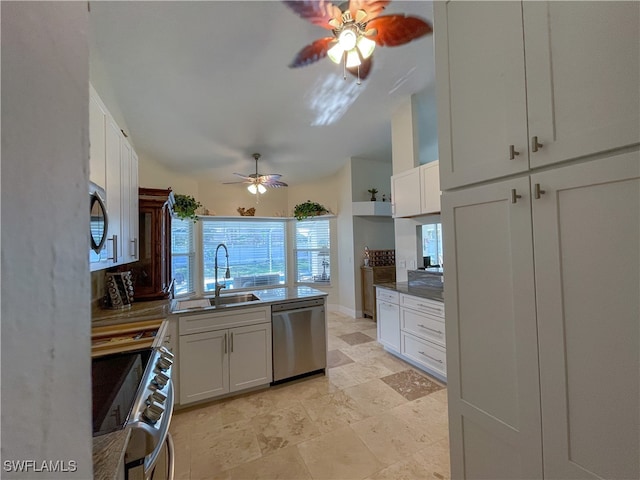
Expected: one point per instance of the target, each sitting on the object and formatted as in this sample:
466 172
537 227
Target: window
257 253
312 251
182 255
432 244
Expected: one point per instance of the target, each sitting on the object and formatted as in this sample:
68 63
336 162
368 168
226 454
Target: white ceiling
200 86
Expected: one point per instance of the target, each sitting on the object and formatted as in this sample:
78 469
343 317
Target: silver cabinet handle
134 242
430 329
428 307
432 358
114 239
225 343
537 191
514 196
535 145
512 152
231 342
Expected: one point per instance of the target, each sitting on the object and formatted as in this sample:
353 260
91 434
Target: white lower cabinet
223 352
413 328
388 318
423 334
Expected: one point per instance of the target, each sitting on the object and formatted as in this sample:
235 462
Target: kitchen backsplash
97 287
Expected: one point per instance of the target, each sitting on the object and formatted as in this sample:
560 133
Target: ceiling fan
258 182
357 28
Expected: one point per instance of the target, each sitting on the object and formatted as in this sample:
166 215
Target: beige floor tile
435 459
389 438
363 350
334 342
356 373
426 416
375 397
212 454
339 454
285 464
282 428
336 358
333 411
392 363
356 338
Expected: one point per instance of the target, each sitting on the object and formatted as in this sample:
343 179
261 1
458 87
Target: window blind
313 251
182 256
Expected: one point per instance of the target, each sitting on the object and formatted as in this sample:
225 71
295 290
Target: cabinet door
430 188
582 78
250 362
125 198
388 319
134 224
405 188
97 139
480 82
587 258
492 351
204 366
114 237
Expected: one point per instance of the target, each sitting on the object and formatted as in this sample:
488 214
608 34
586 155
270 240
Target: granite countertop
266 296
138 311
429 293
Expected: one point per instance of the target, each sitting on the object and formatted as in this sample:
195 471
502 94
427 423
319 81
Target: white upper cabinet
97 130
576 94
416 191
114 167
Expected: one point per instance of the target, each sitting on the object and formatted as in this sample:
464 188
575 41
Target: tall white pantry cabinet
539 135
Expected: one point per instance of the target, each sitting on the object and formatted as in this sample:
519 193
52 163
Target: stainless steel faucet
227 274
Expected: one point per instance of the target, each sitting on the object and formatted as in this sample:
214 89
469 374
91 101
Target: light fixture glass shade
252 188
353 59
347 39
261 188
335 53
366 46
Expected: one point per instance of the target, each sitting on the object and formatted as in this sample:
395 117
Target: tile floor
372 416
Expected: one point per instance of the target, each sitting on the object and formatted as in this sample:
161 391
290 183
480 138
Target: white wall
46 317
404 137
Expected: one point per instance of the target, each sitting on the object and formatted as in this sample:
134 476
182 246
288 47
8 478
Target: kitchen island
410 321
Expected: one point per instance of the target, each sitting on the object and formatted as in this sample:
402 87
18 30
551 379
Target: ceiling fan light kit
354 39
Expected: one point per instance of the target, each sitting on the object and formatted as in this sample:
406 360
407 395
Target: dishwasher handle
299 305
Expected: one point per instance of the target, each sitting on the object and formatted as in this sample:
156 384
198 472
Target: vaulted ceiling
200 86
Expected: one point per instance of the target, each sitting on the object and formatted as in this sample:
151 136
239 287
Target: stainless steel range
133 389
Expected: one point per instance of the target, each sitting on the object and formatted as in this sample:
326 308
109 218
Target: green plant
185 206
309 209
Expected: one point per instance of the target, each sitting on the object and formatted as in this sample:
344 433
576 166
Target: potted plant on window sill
185 207
309 209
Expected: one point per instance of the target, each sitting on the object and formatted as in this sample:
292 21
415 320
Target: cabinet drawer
205 322
425 353
431 307
387 295
427 327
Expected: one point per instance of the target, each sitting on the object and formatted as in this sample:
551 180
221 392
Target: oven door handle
151 459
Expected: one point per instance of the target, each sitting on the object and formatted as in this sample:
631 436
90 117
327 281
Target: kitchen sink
234 298
223 301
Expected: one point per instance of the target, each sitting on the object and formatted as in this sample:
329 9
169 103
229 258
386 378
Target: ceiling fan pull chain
344 66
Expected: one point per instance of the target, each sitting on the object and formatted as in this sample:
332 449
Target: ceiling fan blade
246 177
318 12
395 30
365 68
233 183
372 7
312 53
275 184
269 177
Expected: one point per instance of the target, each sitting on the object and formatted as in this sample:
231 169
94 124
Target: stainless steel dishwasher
299 338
